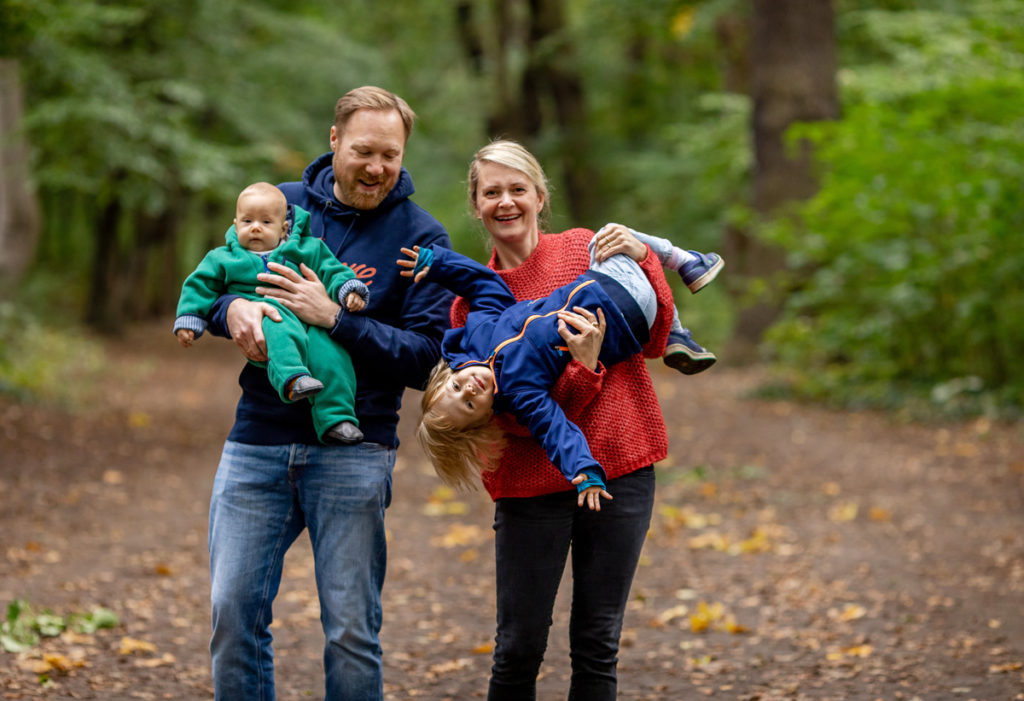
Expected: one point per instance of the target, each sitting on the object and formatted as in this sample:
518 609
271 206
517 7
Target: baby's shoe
685 355
344 432
303 386
698 273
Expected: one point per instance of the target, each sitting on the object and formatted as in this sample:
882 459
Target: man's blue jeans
532 539
263 497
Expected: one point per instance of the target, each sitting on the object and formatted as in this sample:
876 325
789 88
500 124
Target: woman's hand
616 238
585 343
303 294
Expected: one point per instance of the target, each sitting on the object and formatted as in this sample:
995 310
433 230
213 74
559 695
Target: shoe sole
338 439
695 286
679 357
295 396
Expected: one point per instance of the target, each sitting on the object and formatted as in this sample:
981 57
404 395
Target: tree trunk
546 94
792 79
103 312
552 71
19 210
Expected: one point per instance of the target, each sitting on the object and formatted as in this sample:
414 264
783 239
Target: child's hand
354 303
591 495
410 264
185 337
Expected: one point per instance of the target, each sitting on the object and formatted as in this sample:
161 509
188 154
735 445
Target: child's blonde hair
459 455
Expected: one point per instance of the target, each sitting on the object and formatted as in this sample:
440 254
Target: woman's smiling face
507 203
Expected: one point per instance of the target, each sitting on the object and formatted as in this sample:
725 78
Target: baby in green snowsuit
302 361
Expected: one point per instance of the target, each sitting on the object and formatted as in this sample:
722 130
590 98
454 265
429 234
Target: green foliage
908 291
47 364
23 626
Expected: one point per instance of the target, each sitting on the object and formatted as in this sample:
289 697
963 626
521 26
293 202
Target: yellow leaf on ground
113 477
139 419
485 649
61 663
846 511
132 645
705 615
731 626
852 612
460 535
162 661
672 614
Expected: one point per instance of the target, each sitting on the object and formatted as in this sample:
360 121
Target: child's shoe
344 432
698 273
303 386
685 355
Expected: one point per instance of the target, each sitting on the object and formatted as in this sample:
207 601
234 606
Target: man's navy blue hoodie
394 342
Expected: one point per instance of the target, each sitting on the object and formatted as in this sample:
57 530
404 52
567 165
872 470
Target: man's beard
364 200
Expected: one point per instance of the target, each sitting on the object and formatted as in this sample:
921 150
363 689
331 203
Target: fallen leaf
132 645
843 512
877 513
669 615
162 661
852 612
460 535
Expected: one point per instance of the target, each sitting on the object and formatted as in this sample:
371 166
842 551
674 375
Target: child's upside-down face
468 397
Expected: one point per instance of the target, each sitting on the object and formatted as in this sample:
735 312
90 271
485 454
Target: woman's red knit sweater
616 408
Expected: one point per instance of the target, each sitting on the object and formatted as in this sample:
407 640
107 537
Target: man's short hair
370 97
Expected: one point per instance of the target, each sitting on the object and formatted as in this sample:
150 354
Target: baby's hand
354 303
410 264
185 337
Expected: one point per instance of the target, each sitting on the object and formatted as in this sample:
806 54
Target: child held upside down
509 355
303 361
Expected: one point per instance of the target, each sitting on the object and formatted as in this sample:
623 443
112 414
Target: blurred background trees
858 161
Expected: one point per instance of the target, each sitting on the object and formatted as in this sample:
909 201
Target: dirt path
795 553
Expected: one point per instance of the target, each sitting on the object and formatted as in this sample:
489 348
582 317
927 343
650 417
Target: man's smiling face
367 157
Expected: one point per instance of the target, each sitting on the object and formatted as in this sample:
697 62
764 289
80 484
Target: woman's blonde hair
510 154
459 455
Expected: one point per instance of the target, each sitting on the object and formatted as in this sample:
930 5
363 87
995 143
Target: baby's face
260 222
468 398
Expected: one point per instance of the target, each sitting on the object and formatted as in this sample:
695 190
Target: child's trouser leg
671 256
697 269
286 350
628 273
332 365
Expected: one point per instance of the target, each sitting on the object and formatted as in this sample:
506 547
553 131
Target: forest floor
794 553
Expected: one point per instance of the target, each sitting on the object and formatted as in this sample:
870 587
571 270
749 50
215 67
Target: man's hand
245 324
303 294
